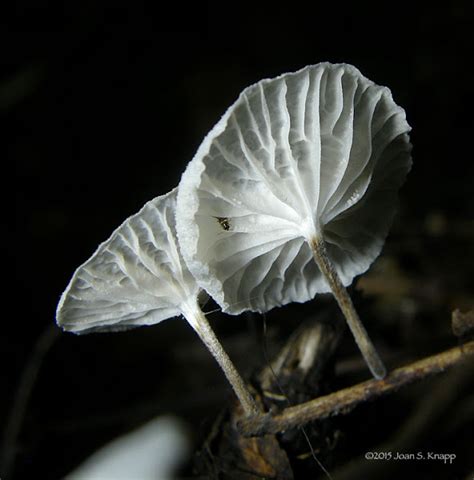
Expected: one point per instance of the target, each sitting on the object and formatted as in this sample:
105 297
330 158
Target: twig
462 323
437 403
343 401
22 397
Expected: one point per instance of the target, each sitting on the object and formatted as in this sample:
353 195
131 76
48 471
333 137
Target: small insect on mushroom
311 163
138 277
223 222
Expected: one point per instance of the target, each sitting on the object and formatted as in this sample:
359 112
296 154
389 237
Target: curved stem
198 321
362 339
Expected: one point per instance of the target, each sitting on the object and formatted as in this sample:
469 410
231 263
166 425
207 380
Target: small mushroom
138 277
305 169
156 450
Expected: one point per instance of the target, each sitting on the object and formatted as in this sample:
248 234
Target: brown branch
428 416
343 401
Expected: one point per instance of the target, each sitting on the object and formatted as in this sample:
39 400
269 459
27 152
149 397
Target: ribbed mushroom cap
319 152
137 277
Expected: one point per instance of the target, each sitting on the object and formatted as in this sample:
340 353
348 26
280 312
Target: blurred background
104 106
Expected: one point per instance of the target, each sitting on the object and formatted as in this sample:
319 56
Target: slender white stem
198 321
361 336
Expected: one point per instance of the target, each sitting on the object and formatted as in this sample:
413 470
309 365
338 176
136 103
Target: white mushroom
293 191
138 277
153 451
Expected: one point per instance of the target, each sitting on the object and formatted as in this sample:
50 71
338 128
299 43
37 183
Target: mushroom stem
361 336
198 321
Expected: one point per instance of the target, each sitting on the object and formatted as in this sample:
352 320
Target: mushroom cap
136 277
153 451
319 152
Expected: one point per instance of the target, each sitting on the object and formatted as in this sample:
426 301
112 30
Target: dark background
104 107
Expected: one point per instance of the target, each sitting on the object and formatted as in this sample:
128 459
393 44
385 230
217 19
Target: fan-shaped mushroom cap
319 152
137 277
